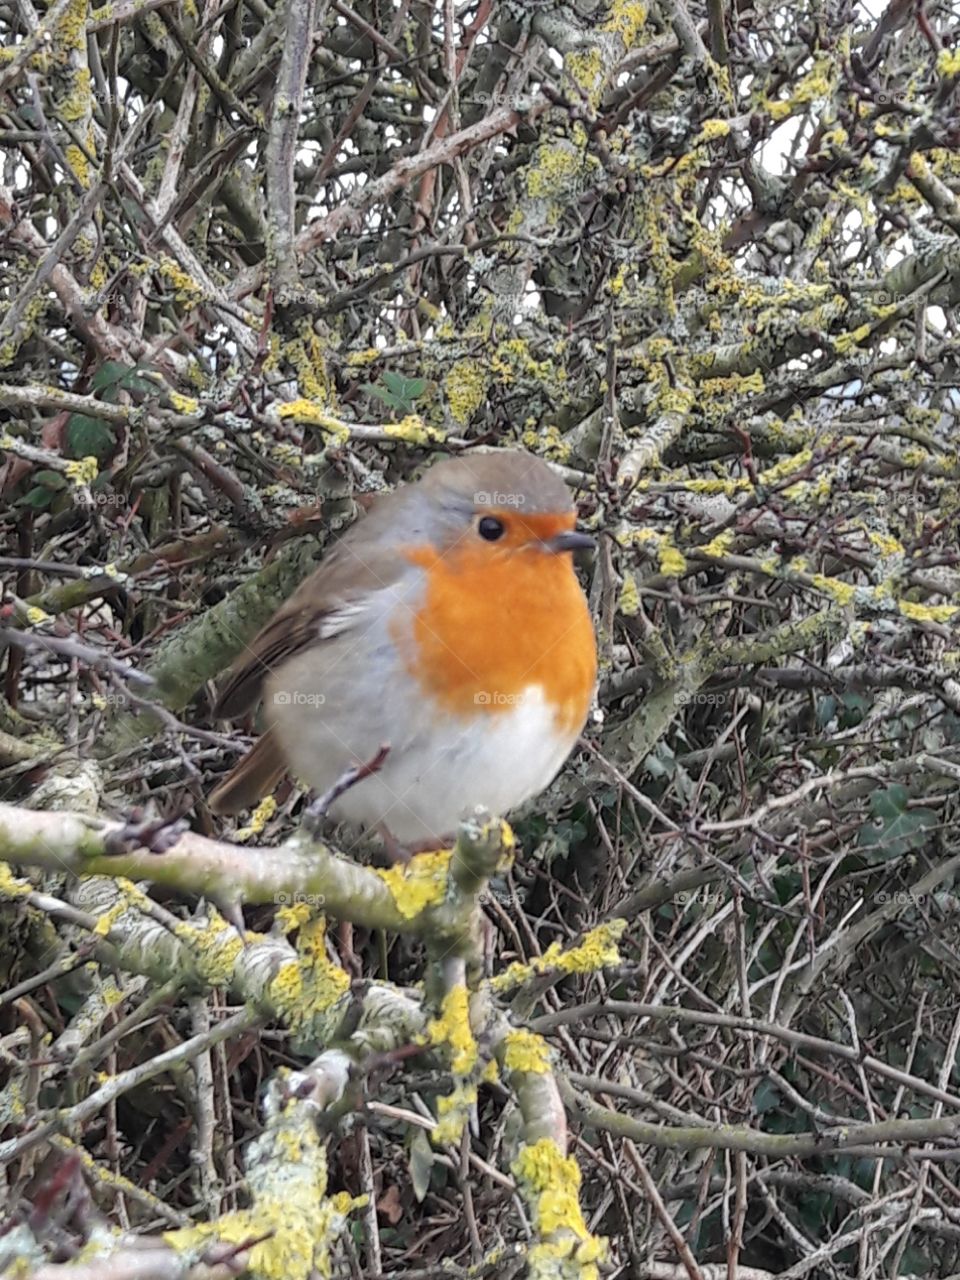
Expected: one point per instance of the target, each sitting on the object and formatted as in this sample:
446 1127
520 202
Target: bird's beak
569 540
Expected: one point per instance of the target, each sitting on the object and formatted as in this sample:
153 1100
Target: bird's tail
255 776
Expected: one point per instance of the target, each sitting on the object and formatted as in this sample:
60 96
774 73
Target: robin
447 629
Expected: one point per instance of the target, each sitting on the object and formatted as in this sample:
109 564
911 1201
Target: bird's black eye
490 528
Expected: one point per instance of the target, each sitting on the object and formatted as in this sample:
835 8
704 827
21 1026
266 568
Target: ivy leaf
38 498
766 1097
895 829
50 480
107 379
113 377
89 436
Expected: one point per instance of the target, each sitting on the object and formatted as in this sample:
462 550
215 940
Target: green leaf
895 829
108 378
397 392
766 1097
112 377
89 437
826 710
890 802
52 480
38 498
387 397
421 1164
404 388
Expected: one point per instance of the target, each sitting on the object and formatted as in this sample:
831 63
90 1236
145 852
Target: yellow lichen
728 487
587 69
10 886
357 359
70 33
550 1182
629 601
109 918
453 1112
306 988
419 883
786 467
290 455
452 1031
466 389
617 280
76 105
186 289
841 591
626 18
844 343
836 137
258 820
526 1051
886 544
817 84
184 404
720 545
288 918
671 560
82 470
292 1220
711 129
310 411
214 945
558 166
414 430
927 612
598 949
307 354
948 62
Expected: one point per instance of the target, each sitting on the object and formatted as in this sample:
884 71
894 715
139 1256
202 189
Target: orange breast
496 621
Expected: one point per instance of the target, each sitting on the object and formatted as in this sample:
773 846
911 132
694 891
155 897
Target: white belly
440 766
425 789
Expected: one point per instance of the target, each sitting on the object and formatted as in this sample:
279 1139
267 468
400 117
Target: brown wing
326 603
333 599
294 626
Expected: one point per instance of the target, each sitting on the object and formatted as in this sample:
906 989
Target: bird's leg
317 810
397 852
348 957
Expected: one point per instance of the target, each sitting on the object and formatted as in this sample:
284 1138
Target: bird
442 657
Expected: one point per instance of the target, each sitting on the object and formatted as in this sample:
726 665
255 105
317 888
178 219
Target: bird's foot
402 853
317 810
